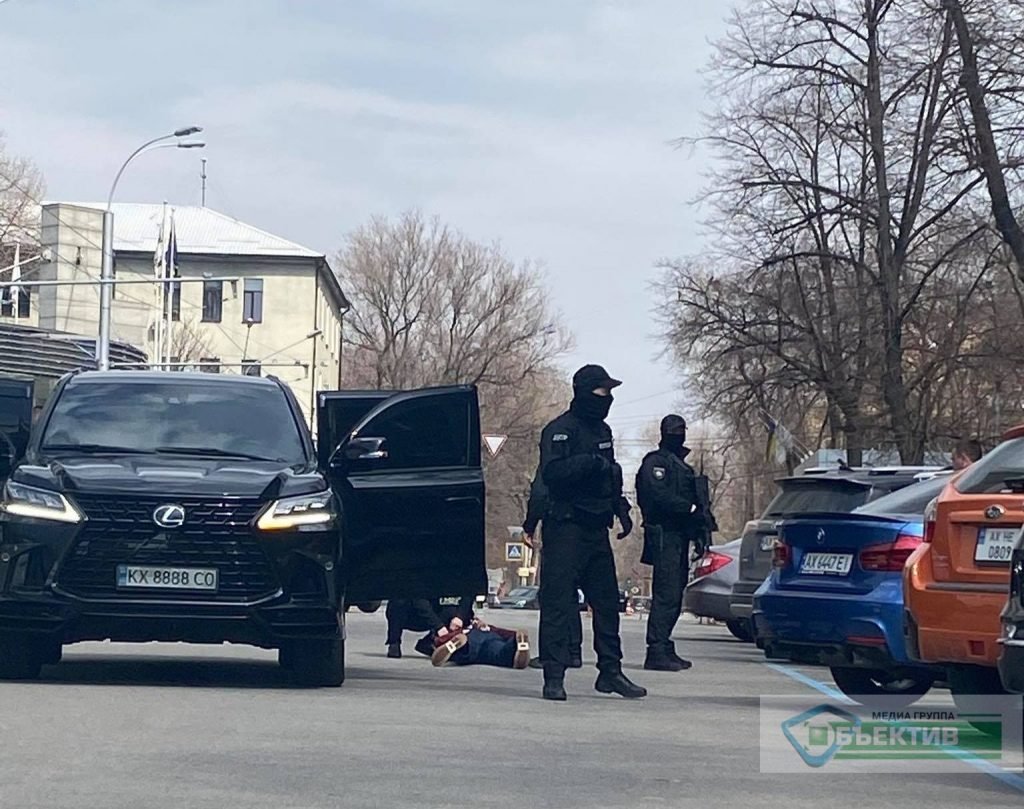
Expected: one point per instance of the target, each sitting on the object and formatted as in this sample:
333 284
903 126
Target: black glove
627 525
701 545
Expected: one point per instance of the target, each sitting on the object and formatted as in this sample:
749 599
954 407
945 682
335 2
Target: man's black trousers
414 615
575 555
671 569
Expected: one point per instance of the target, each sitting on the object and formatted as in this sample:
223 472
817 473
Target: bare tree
21 188
429 307
188 344
989 162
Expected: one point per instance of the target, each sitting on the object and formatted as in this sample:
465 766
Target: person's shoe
619 683
576 662
425 646
554 690
442 654
395 651
445 635
536 663
661 662
681 661
522 658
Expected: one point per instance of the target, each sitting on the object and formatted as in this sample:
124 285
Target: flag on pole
15 293
172 301
159 257
781 442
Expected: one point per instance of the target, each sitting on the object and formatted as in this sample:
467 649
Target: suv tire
20 659
315 663
740 629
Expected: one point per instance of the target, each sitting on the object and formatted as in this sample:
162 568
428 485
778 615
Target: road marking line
1010 779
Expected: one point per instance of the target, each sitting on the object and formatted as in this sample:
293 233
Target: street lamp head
191 144
186 131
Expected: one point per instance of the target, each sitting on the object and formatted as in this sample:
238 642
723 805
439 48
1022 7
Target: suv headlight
297 512
39 504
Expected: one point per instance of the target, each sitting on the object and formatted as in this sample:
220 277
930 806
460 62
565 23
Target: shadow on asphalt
164 672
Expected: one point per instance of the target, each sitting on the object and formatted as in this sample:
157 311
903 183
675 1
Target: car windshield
180 417
799 497
521 592
911 500
990 474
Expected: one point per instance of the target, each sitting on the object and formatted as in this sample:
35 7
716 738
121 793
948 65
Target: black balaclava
673 434
585 402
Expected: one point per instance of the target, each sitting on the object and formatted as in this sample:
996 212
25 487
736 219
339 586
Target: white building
279 310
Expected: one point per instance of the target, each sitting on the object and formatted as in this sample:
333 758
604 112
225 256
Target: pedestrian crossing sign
514 552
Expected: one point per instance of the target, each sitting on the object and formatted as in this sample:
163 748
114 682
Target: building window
14 301
176 302
252 301
213 301
209 365
175 364
251 368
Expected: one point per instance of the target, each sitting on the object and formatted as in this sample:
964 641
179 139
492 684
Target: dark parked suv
194 507
831 491
1011 660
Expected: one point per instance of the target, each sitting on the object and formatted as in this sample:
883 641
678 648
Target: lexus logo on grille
169 516
994 512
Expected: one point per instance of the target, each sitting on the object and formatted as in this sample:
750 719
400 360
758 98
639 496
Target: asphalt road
190 728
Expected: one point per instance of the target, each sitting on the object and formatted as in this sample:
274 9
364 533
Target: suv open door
409 477
15 421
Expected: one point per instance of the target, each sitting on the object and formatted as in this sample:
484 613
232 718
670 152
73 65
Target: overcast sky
545 124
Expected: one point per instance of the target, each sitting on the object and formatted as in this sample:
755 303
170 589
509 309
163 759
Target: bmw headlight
39 504
298 512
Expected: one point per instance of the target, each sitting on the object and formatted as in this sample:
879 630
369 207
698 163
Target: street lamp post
107 267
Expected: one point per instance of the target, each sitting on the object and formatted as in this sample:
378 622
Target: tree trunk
988 154
889 264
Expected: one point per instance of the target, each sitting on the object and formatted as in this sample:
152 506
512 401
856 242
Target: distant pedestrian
966 453
584 483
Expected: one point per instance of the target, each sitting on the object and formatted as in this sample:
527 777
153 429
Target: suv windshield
1005 462
180 417
821 495
911 500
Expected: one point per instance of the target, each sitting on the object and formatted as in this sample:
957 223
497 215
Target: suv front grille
216 534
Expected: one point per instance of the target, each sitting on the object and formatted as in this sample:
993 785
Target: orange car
955 584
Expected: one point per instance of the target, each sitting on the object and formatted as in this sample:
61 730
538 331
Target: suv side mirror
363 449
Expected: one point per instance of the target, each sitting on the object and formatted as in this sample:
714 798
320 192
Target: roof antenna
203 176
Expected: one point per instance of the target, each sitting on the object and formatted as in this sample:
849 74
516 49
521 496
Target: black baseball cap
592 377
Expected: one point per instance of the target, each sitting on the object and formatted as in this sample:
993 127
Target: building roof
199 231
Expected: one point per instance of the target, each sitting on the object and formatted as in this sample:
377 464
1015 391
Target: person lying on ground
480 644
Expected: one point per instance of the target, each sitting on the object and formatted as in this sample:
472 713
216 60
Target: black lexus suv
195 507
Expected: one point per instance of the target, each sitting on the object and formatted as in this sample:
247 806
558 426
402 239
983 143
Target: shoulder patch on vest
659 472
605 445
559 437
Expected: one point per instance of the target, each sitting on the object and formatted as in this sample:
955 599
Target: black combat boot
554 683
618 683
682 662
394 650
662 661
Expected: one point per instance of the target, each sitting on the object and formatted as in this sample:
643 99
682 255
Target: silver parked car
712 577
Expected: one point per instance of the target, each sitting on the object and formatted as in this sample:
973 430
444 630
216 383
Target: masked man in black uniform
669 497
535 509
577 465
